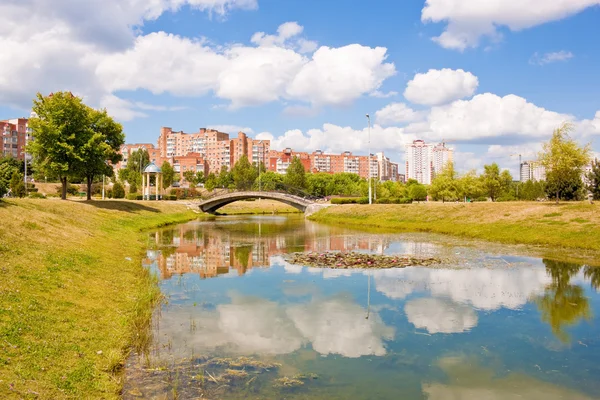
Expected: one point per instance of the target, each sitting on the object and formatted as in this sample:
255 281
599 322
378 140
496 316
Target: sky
491 78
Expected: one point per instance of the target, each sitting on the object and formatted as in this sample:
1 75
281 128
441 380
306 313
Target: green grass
513 223
262 206
74 297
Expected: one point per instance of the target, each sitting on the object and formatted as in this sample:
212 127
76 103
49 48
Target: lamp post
25 156
369 158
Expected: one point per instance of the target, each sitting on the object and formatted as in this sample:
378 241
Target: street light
369 158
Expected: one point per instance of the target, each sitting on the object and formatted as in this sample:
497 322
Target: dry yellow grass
565 226
74 296
262 206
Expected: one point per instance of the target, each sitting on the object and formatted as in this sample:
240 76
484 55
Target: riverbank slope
566 225
74 296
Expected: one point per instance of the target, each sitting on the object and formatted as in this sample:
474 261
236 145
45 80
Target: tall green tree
446 186
60 129
470 186
137 161
564 160
269 181
103 139
190 178
17 186
8 166
168 174
495 183
225 179
244 174
295 176
417 192
211 182
593 180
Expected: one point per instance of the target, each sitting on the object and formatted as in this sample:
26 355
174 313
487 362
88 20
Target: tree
59 131
470 186
244 174
17 186
211 182
200 177
563 159
102 141
445 185
269 181
118 190
8 166
133 188
168 174
295 176
137 161
495 183
417 192
225 179
190 177
593 179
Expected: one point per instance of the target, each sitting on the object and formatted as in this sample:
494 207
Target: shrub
118 191
363 200
132 196
171 197
36 195
109 193
133 188
72 190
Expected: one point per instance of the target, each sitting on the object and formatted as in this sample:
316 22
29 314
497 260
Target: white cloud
91 49
232 129
469 20
549 58
335 138
488 115
439 316
486 289
338 326
250 325
382 95
337 76
396 113
441 86
286 32
121 109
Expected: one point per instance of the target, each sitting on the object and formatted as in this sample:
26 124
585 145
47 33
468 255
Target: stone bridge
212 204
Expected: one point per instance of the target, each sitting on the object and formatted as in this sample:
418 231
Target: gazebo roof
152 168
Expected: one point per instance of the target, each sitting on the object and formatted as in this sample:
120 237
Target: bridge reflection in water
236 246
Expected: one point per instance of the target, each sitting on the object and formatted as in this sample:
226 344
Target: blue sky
493 78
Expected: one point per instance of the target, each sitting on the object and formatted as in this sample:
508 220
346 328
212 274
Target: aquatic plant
357 260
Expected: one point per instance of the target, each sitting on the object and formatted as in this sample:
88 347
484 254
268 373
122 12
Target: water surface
487 323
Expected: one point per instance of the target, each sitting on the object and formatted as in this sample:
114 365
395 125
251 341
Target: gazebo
151 169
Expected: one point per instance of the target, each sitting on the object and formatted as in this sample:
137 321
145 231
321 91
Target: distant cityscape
209 150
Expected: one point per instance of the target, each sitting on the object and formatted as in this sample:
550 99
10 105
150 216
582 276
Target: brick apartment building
319 161
14 133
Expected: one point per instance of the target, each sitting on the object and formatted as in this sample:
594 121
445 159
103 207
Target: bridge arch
212 204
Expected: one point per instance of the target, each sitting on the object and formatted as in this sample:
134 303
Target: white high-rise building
532 171
442 155
419 165
424 160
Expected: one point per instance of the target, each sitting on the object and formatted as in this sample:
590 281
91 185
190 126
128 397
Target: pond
240 322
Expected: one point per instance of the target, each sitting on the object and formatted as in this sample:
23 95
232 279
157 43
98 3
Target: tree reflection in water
593 274
563 303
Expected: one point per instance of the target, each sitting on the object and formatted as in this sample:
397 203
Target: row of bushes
365 200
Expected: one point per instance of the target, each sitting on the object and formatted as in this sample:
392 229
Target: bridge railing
284 190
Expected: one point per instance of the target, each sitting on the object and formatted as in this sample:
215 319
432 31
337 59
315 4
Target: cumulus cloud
437 87
338 326
94 49
485 289
440 316
249 325
468 21
335 138
549 58
232 129
488 115
396 113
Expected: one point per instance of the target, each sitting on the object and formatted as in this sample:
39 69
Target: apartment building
15 135
424 160
279 161
532 171
127 149
387 170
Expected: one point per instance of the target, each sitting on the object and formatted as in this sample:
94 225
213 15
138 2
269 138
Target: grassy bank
262 206
567 225
74 297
